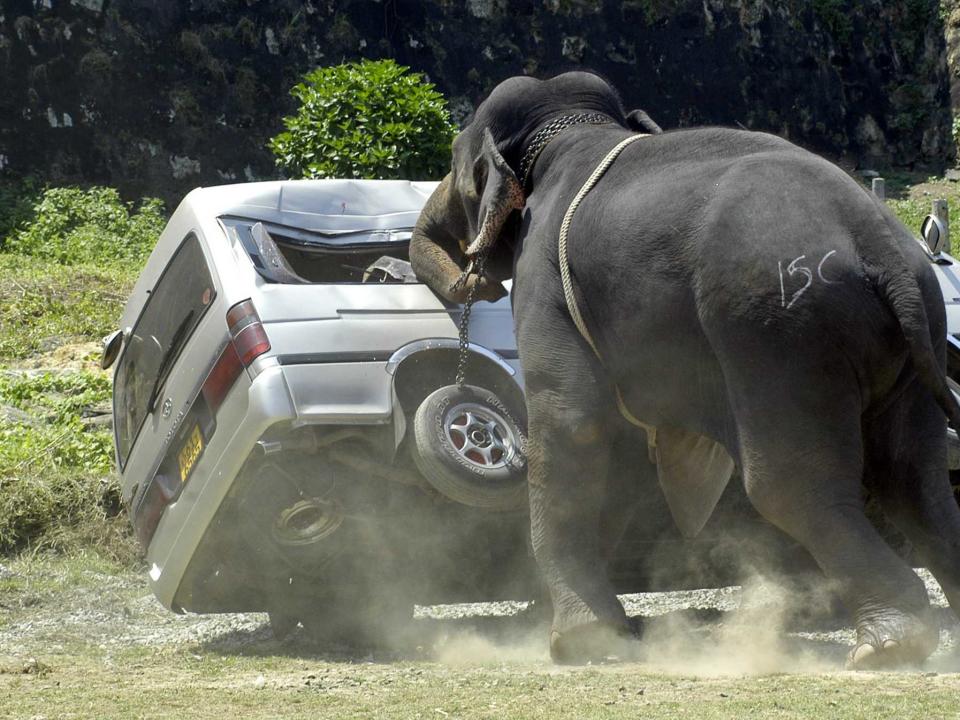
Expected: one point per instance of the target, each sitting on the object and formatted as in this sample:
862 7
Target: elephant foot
894 641
595 642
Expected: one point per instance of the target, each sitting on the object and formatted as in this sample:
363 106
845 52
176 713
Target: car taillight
246 330
162 491
248 341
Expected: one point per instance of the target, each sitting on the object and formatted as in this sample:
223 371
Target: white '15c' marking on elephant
794 268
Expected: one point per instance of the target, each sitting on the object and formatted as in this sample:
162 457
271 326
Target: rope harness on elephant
567 280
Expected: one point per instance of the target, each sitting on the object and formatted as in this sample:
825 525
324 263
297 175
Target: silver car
287 428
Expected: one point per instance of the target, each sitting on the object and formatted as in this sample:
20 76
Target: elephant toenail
861 653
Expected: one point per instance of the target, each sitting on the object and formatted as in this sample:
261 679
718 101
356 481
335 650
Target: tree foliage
371 119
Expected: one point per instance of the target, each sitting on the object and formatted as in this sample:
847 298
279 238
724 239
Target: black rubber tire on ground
470 447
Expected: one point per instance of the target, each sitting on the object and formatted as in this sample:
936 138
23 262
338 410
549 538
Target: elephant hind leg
804 474
907 470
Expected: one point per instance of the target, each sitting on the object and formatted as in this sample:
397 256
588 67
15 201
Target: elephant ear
639 121
501 195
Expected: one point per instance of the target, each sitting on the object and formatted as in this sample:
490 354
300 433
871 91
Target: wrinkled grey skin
739 287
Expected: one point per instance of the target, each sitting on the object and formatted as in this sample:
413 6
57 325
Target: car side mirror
933 233
112 344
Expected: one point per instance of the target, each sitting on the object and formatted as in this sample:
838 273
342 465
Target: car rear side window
179 300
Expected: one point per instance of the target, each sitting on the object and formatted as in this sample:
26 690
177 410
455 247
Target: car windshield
176 304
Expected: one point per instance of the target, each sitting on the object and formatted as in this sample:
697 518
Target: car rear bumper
357 393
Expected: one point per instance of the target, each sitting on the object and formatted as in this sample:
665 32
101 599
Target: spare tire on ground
470 447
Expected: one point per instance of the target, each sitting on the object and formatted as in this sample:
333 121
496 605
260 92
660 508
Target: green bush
71 225
17 199
371 119
955 135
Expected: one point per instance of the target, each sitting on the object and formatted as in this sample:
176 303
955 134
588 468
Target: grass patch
135 684
69 263
80 637
44 304
57 487
34 579
910 196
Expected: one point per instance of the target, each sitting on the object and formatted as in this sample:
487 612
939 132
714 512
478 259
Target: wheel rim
480 436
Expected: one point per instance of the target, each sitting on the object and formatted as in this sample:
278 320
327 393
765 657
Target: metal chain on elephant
475 267
550 131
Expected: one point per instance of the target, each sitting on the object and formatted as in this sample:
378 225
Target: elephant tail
898 286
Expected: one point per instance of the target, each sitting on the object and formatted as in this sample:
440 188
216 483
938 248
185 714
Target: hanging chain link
476 267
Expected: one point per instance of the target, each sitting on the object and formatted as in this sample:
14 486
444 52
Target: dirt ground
79 638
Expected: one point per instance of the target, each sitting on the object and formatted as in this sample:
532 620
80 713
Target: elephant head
473 209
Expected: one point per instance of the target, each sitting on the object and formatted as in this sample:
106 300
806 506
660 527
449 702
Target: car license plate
190 453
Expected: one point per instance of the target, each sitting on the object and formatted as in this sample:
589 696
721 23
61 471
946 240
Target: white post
879 188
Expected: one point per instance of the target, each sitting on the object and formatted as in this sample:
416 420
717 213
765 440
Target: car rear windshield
293 255
176 305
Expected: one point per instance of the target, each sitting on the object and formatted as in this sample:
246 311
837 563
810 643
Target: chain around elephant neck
548 132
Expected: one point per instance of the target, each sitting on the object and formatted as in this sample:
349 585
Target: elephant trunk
435 251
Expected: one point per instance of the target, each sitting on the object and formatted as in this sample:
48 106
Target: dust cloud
471 647
767 625
755 639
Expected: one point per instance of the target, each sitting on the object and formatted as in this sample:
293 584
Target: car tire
470 447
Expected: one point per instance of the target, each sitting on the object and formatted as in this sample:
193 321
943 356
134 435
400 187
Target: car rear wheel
469 447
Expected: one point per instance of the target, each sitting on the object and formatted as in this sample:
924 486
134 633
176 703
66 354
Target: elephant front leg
568 455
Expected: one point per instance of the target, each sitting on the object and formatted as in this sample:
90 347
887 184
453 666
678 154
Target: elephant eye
479 174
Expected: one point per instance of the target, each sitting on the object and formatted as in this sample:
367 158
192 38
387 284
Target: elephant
746 303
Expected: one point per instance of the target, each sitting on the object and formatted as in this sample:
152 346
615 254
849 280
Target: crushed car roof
330 207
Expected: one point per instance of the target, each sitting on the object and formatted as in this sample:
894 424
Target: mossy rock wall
157 97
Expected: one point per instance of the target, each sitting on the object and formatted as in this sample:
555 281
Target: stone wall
159 96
